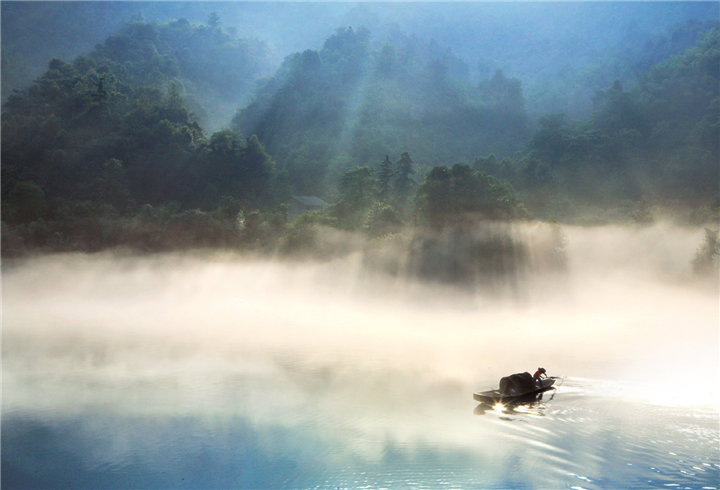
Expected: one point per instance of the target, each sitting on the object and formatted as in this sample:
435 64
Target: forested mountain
658 138
563 52
572 90
110 135
353 101
394 130
128 99
214 67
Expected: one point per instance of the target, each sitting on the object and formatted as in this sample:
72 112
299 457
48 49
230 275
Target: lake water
190 371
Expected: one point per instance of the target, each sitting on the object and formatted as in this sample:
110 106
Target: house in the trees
303 204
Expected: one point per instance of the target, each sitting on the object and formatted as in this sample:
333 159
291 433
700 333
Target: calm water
313 429
195 373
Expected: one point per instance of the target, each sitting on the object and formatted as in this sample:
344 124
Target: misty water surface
221 371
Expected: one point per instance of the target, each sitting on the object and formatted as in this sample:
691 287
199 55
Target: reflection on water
173 372
223 430
534 404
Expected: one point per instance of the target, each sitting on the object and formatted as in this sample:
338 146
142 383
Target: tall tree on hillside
240 169
504 101
503 93
706 258
385 174
112 186
26 202
258 172
452 195
358 188
434 197
403 185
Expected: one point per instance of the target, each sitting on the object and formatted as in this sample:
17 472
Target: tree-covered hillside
110 138
652 143
353 101
214 67
655 143
112 149
563 52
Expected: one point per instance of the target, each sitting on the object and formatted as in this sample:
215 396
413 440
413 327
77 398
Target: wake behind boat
514 388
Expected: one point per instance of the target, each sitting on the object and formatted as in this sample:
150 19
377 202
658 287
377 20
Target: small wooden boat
493 397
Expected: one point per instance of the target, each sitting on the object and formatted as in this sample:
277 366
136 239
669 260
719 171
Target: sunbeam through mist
612 319
288 345
291 245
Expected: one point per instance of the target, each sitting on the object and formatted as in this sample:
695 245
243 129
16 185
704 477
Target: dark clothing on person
537 375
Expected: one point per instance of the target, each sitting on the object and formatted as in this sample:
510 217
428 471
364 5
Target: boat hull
493 397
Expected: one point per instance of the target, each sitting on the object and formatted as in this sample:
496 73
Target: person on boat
538 375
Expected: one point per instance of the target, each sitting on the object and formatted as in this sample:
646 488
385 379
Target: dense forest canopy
180 131
352 100
563 52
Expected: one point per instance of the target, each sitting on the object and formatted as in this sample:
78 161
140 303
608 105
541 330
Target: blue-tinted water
141 374
244 433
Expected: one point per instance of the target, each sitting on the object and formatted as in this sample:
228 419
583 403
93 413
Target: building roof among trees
310 201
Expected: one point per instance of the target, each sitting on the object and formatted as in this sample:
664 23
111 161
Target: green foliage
385 174
26 202
211 64
125 105
382 220
361 100
403 185
375 201
707 256
229 207
643 212
657 141
504 99
435 199
304 236
703 215
87 227
358 189
108 150
457 194
105 150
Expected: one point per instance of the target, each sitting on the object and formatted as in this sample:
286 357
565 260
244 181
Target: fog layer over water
215 370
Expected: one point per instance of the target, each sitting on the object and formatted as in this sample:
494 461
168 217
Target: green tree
258 171
27 201
434 197
643 212
503 97
403 184
113 187
706 258
550 140
488 164
382 220
358 188
452 195
385 174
